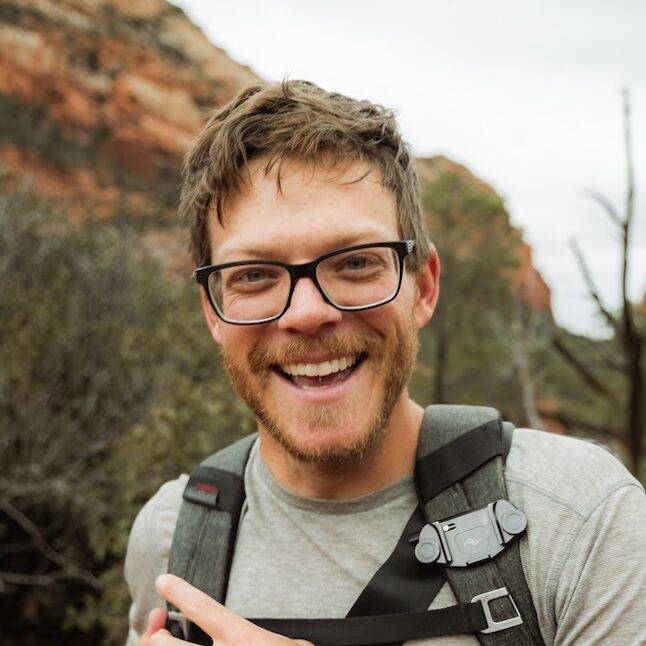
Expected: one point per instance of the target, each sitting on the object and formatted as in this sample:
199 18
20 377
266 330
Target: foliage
197 415
463 355
101 399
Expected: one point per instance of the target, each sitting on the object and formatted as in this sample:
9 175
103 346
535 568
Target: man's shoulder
163 506
570 472
168 496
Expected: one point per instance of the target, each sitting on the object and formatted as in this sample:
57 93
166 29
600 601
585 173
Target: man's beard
250 379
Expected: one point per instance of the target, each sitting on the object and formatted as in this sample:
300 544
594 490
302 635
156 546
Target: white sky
526 94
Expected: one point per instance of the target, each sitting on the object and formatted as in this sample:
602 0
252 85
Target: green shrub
109 385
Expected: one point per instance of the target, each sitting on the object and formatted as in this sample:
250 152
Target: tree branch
18 578
630 171
602 351
605 203
592 288
70 569
630 201
583 371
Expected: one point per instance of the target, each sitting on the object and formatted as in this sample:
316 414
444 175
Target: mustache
262 358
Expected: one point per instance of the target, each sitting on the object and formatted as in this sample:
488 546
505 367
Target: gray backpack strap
441 425
204 538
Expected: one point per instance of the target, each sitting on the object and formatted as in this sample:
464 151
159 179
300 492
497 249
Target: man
318 274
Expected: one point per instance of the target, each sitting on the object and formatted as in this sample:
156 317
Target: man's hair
295 120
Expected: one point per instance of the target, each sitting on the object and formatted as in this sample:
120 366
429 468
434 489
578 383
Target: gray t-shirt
583 557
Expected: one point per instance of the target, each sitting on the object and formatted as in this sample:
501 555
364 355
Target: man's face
341 416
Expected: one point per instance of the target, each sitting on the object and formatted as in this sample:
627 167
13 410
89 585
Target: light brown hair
295 120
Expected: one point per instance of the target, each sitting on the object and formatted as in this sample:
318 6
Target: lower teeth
320 381
302 381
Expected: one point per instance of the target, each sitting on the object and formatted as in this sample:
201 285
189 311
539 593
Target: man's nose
307 310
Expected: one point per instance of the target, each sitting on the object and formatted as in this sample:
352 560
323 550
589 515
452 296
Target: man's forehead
286 178
336 205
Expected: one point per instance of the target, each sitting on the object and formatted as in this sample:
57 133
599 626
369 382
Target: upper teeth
319 369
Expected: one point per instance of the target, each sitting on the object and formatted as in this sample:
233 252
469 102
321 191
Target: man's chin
324 444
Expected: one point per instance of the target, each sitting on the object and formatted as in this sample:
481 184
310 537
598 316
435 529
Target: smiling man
316 276
326 376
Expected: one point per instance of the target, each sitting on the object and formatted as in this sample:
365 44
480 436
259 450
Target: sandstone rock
106 93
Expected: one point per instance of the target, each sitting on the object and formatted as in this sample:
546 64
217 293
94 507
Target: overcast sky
526 94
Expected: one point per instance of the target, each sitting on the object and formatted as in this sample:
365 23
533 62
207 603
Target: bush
109 384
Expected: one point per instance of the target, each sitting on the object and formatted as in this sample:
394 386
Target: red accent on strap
206 488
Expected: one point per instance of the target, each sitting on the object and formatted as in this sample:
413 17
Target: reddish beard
394 361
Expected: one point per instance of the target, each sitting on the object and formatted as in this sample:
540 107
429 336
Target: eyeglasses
248 292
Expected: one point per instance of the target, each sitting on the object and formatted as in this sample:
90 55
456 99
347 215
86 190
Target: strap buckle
494 626
178 624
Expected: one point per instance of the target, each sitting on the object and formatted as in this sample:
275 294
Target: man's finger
164 638
156 621
212 617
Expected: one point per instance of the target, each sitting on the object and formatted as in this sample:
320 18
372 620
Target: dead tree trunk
629 337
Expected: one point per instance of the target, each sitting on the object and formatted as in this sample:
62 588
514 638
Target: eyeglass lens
352 279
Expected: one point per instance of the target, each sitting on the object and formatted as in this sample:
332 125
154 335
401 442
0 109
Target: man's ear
428 289
212 320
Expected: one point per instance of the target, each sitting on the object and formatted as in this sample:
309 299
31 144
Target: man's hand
223 626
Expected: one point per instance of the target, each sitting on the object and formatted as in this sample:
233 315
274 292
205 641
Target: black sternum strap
378 630
373 630
382 629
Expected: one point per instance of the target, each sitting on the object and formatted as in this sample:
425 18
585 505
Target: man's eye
356 263
253 275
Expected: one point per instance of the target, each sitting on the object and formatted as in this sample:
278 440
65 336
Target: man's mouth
320 375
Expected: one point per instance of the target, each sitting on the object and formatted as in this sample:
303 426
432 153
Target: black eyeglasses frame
305 270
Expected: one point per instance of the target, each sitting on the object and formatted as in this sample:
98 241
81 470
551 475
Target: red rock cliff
99 99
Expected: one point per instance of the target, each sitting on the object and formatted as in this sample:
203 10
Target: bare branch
632 338
18 578
602 351
605 203
630 201
583 371
592 288
72 571
630 171
522 363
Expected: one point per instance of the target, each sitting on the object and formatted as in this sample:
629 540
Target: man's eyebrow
269 253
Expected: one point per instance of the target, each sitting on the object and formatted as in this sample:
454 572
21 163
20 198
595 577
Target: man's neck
391 460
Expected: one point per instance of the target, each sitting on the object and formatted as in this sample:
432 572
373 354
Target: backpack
461 489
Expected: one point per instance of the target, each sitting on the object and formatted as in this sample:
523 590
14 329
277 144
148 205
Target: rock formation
100 98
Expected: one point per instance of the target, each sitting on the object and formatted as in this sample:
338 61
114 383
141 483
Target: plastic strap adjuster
202 492
494 626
